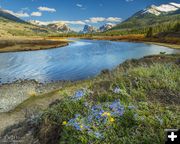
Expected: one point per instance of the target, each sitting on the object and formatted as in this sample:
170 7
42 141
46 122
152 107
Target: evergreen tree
177 27
150 32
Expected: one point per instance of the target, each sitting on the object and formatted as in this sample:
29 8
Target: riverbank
13 94
20 97
15 44
147 89
167 42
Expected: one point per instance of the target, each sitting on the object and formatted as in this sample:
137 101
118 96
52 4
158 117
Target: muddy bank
13 45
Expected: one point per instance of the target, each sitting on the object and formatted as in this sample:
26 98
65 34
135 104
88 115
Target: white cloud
46 9
102 19
96 19
37 14
18 14
79 5
83 22
78 22
114 19
74 22
22 14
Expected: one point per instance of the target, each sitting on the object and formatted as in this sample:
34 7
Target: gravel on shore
11 95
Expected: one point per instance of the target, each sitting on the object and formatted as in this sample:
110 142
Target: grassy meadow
10 28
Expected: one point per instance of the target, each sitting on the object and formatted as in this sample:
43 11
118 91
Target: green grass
149 94
11 28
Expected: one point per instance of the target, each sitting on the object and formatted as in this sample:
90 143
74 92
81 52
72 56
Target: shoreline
31 88
14 93
135 39
44 94
172 46
20 44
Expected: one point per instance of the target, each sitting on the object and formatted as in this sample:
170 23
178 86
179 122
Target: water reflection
79 60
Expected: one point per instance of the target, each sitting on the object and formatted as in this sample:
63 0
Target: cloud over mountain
41 8
102 19
18 14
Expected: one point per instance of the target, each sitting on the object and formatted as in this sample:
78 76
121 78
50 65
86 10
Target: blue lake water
79 60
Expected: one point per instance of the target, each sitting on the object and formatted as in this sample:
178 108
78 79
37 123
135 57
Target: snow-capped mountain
151 15
59 27
39 23
164 8
89 29
106 27
56 26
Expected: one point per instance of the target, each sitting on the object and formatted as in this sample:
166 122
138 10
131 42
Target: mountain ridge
5 14
144 18
11 25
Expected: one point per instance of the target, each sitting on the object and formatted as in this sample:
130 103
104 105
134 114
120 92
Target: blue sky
78 12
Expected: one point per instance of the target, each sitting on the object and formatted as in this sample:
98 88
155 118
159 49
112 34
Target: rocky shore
15 93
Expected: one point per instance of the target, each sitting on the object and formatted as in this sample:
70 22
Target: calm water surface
79 60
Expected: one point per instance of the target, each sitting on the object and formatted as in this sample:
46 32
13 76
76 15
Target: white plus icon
172 136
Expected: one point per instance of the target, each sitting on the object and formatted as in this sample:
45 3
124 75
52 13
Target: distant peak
163 8
175 4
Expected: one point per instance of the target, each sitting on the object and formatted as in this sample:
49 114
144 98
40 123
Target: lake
79 60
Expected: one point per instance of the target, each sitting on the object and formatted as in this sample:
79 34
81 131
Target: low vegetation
134 103
30 43
10 28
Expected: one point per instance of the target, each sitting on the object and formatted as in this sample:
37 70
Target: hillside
153 15
7 15
159 24
11 25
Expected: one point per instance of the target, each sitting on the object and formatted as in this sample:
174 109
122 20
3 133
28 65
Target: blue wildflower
117 90
97 117
115 104
78 95
117 108
77 115
90 118
98 135
96 107
77 126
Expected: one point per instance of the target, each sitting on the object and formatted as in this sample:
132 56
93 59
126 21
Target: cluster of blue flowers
79 94
97 118
117 108
80 124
